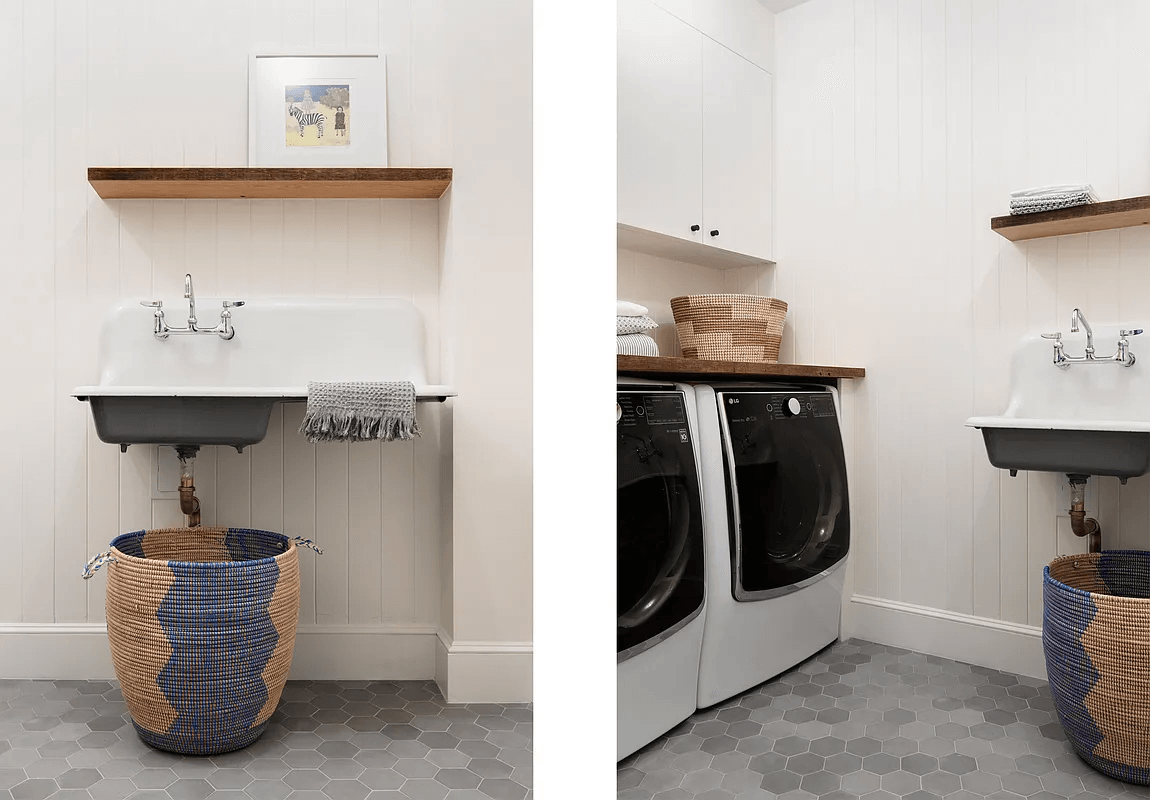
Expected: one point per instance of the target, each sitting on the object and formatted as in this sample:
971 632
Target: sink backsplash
278 342
1105 391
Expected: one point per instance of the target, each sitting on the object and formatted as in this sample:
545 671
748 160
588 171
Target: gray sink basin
1119 453
235 421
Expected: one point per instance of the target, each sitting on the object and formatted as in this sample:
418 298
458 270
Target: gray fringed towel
360 412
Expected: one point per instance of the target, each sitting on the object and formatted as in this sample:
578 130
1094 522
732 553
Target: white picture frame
363 74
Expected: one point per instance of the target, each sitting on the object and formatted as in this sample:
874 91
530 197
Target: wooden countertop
693 368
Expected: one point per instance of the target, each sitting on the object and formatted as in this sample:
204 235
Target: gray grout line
865 720
346 740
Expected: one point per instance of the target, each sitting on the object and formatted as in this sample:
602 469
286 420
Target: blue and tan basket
201 623
1096 636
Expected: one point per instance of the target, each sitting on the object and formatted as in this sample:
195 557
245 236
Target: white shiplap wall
133 82
902 125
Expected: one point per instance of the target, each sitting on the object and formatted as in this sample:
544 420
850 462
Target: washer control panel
650 408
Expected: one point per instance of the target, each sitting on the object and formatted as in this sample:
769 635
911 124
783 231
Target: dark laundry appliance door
659 583
787 485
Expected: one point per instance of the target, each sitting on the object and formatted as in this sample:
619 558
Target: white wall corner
1007 646
484 672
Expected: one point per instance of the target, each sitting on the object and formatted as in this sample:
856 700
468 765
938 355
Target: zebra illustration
315 118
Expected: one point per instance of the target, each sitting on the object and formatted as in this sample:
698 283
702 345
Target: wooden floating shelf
692 368
223 183
1106 216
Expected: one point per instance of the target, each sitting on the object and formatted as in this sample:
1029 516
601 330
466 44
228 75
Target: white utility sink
1087 419
203 390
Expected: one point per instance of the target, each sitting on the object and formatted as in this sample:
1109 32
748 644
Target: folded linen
624 308
625 325
1049 204
636 344
1023 201
360 411
1061 188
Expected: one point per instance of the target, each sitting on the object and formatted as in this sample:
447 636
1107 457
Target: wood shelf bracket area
697 369
230 183
1091 217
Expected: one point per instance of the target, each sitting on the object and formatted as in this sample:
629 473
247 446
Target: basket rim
1065 587
120 554
771 298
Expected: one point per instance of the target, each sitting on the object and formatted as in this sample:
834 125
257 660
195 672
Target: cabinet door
737 153
660 121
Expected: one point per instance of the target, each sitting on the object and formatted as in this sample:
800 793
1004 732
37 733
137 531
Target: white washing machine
777 527
660 582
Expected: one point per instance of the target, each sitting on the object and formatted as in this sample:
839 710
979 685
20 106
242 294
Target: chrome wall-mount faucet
1077 320
161 330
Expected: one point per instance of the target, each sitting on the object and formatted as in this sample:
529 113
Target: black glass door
793 520
659 585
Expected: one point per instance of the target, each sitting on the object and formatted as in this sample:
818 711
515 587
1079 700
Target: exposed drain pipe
189 503
1079 522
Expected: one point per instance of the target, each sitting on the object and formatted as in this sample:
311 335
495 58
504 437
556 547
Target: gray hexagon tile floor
349 740
864 720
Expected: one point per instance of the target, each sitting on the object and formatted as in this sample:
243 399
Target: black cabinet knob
694 228
715 232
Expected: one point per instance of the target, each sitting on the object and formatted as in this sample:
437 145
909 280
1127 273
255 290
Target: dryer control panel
779 406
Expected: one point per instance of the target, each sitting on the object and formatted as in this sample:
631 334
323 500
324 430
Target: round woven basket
729 327
202 624
1096 637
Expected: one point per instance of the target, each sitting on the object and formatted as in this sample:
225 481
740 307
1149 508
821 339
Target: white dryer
660 587
777 527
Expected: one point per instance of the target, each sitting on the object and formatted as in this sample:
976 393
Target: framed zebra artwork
317 109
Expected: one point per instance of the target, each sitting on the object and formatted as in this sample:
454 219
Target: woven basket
1096 636
201 623
729 327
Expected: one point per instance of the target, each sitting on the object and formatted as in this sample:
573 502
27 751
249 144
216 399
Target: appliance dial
793 407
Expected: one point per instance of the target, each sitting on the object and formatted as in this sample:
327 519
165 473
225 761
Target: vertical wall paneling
988 383
398 554
299 502
69 275
331 506
207 489
365 534
112 83
33 287
956 482
233 476
884 336
913 130
267 476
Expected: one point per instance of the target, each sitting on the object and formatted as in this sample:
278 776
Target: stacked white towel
1048 198
631 326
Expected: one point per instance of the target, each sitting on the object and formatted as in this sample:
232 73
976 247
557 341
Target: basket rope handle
308 543
98 560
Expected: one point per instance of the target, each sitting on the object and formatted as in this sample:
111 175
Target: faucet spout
190 295
1076 317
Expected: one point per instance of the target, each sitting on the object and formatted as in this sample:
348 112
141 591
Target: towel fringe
331 425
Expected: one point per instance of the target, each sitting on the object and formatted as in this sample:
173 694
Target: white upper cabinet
695 140
660 131
737 185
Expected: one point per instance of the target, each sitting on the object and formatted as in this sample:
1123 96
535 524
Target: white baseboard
975 640
329 652
483 672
